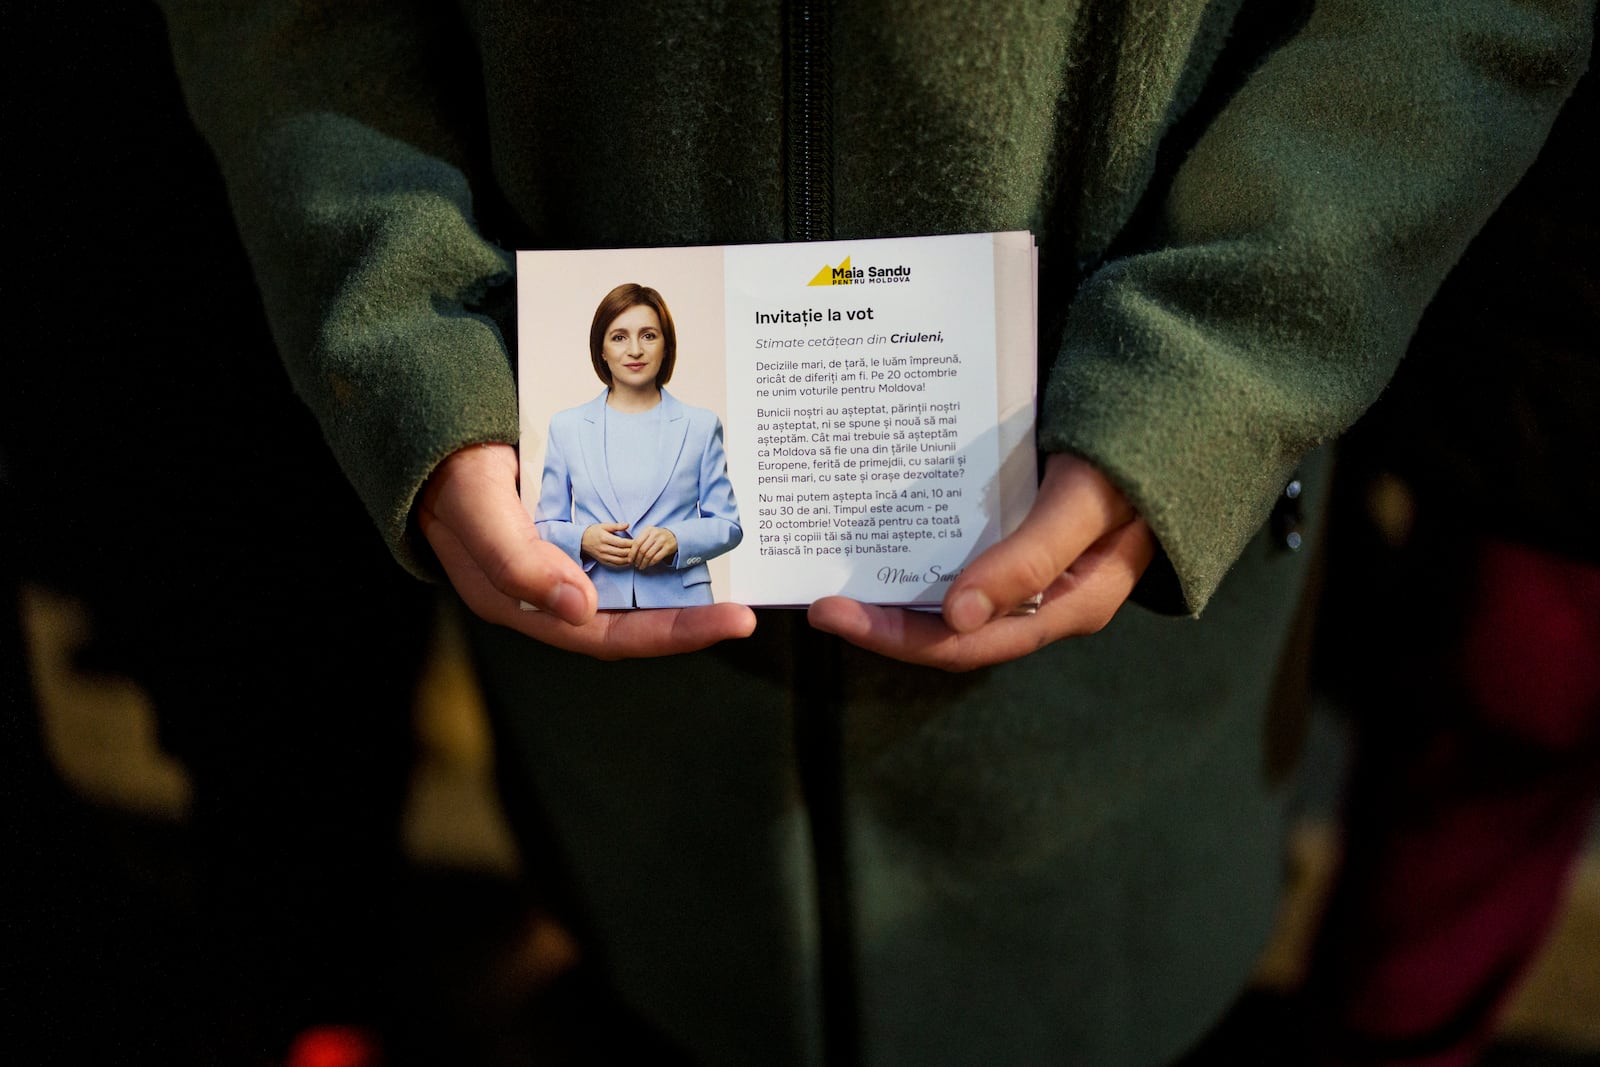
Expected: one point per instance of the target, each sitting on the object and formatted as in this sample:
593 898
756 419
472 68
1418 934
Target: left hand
1082 544
492 553
652 544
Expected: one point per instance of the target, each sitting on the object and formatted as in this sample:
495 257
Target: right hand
1082 544
601 544
492 553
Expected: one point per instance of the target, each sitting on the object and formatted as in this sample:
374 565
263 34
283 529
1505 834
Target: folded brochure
847 417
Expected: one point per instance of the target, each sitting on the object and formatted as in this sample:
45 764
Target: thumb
1076 506
473 495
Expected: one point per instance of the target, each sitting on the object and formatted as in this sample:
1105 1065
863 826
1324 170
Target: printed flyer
771 424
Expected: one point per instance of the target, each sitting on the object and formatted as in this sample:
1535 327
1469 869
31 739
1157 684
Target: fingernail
566 602
969 610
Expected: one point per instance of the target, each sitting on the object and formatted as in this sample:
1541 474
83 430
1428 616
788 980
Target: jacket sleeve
1300 241
553 513
348 175
716 529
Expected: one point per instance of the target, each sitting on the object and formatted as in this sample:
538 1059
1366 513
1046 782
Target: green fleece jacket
1257 318
1071 858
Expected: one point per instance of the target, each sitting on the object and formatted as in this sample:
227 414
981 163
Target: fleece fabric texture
1242 208
1298 243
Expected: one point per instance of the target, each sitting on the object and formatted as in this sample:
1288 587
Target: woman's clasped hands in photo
610 544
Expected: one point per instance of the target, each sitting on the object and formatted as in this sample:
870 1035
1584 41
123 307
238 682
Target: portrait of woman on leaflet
635 483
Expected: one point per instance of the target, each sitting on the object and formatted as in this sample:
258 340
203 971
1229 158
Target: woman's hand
490 549
601 544
1081 544
652 545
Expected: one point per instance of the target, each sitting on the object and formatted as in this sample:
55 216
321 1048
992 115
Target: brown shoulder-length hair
618 300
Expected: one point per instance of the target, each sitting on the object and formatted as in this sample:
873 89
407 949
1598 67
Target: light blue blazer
695 501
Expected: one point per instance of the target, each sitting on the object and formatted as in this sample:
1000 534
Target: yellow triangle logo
839 275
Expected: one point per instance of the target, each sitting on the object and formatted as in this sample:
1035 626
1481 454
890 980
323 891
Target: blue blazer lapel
674 428
593 451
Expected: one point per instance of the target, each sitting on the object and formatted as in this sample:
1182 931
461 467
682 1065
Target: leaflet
771 424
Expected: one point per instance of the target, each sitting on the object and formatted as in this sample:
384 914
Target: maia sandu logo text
845 274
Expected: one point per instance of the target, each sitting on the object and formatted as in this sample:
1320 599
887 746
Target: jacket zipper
808 121
818 712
